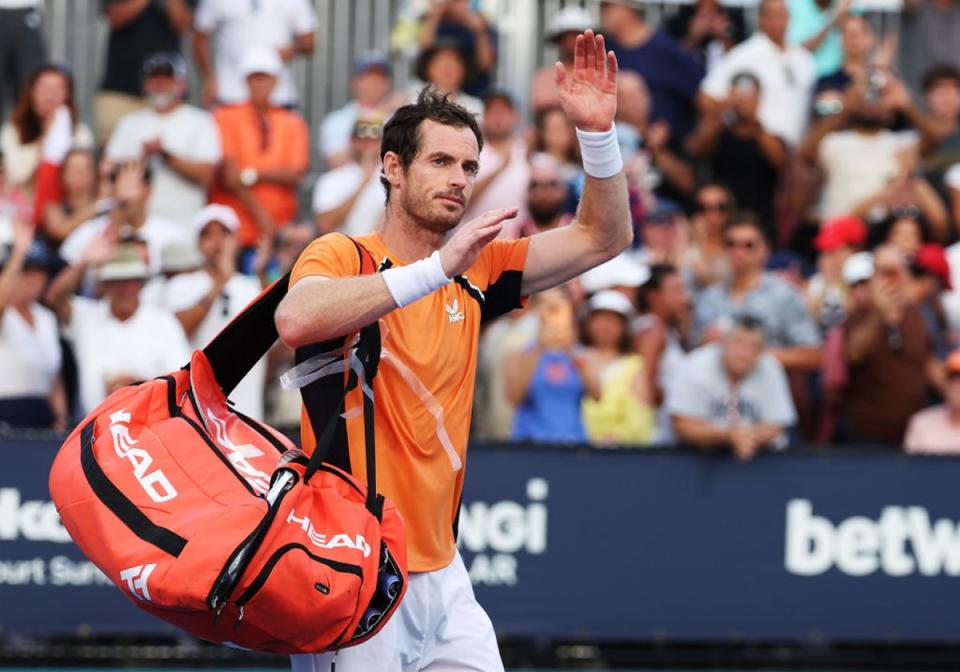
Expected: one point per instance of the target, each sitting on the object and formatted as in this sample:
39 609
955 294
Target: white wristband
600 151
414 281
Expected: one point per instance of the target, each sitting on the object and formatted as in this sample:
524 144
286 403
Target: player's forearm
321 309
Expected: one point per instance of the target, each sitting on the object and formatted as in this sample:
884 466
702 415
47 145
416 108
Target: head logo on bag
154 483
336 541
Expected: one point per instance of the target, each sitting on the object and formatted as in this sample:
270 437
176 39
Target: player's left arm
602 228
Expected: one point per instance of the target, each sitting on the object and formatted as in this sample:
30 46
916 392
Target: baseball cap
841 232
952 364
933 259
165 63
372 60
125 264
569 20
216 212
857 268
610 300
265 61
621 271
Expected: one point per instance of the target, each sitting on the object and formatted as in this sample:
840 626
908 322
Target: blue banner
615 545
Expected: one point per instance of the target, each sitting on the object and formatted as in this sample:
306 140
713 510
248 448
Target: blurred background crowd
794 173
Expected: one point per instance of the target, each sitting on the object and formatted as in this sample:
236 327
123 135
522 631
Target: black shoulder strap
247 338
363 364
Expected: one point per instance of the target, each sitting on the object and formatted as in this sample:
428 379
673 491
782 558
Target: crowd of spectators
794 179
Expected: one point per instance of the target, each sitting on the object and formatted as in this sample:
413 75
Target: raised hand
588 94
22 235
464 247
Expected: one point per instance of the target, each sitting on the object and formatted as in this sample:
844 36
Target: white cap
621 271
266 61
569 19
215 212
611 300
858 267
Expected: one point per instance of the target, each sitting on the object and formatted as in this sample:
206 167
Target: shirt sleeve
777 404
717 82
176 349
685 397
207 135
332 189
185 291
205 19
303 18
502 262
333 255
800 329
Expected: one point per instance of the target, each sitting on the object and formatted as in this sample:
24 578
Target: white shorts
439 626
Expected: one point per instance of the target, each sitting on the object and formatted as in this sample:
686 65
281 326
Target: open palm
588 94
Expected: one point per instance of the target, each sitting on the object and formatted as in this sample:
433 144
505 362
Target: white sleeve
207 147
19 161
185 291
717 82
303 18
827 150
335 132
73 246
176 349
952 176
684 395
777 407
122 144
205 19
332 189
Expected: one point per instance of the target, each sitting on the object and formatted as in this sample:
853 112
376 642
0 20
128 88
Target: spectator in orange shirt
265 154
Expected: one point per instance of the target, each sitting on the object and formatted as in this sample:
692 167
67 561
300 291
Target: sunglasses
545 184
712 207
901 211
733 243
368 131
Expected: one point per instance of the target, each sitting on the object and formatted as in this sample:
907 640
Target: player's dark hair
401 134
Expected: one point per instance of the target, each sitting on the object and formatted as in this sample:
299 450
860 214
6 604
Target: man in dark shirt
741 152
671 73
888 351
138 28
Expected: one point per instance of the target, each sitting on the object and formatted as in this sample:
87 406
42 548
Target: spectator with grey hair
732 394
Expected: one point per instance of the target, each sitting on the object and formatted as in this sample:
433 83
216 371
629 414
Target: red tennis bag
216 523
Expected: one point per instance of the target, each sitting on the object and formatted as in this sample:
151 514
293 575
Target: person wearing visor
30 391
265 154
180 141
349 199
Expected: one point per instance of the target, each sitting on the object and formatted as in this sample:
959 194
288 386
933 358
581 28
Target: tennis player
431 297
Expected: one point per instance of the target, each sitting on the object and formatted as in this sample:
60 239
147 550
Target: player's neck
406 238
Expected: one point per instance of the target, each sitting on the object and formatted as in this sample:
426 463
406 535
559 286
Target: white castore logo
136 578
154 483
454 314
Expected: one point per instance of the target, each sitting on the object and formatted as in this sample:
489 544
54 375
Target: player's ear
392 168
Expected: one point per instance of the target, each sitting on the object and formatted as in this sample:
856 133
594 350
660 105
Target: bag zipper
263 575
238 561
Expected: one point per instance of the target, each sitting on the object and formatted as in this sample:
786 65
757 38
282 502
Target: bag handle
247 337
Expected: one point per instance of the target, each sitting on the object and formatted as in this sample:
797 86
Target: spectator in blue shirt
671 73
548 380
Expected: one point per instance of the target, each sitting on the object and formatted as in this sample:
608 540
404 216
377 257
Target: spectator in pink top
937 429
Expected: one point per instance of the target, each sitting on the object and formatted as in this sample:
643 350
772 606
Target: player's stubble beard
422 207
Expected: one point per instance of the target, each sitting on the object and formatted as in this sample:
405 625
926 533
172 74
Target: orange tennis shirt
424 388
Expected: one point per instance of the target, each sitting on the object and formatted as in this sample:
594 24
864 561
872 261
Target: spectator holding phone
548 380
